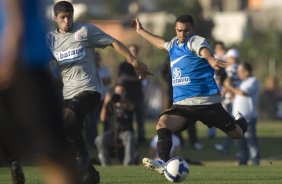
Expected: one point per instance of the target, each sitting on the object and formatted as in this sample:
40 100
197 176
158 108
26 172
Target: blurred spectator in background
245 101
220 75
232 57
219 50
120 138
134 92
92 119
269 98
175 149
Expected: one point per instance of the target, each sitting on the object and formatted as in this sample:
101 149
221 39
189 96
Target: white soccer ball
176 170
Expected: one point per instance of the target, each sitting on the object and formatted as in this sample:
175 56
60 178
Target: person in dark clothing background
134 92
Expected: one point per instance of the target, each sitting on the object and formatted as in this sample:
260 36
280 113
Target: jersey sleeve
98 38
168 45
249 86
196 43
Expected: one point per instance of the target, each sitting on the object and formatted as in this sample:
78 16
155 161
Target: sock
164 143
242 124
76 142
82 155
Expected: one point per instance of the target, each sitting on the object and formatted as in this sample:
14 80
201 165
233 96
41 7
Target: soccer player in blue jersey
195 93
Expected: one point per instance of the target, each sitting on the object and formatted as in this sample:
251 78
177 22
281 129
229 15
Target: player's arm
155 40
215 63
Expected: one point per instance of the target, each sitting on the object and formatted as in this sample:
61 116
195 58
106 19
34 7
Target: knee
68 116
162 123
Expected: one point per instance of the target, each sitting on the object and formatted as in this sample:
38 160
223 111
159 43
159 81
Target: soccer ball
176 170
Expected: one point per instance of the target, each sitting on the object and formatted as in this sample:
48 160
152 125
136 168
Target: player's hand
136 24
217 64
141 69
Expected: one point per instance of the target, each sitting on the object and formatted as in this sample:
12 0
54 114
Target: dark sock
242 124
82 155
164 143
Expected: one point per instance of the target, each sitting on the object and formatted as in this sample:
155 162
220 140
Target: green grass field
217 169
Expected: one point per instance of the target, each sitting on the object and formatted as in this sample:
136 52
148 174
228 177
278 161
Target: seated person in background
119 112
174 152
175 149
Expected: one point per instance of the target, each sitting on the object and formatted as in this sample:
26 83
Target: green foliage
260 47
191 7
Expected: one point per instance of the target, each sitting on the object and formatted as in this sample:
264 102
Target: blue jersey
192 76
1 17
33 49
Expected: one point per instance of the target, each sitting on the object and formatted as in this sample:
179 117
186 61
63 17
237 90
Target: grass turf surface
270 174
217 169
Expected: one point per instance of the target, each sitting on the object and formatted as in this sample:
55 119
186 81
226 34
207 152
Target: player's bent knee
162 123
69 116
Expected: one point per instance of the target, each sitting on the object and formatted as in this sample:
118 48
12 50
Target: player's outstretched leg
154 165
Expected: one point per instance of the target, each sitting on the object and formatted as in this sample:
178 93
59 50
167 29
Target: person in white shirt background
246 100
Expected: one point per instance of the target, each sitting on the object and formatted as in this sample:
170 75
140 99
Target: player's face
242 73
183 30
64 21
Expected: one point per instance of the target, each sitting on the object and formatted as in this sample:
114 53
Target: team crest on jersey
78 35
177 80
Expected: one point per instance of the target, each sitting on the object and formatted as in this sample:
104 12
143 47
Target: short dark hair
218 43
247 67
185 19
62 6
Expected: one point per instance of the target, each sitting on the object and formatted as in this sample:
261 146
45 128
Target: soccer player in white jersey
195 93
72 45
